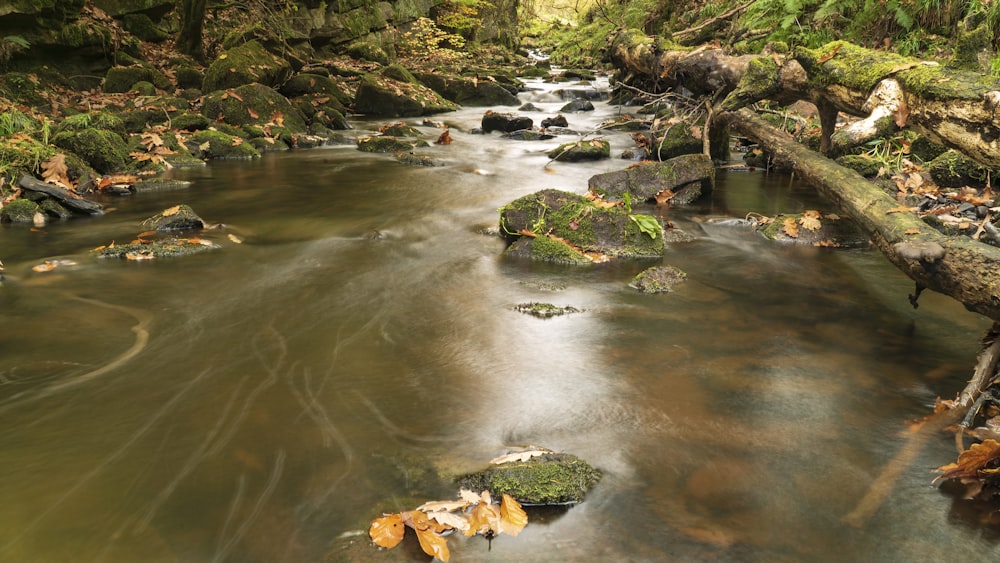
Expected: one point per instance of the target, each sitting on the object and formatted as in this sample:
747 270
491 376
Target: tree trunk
968 271
192 21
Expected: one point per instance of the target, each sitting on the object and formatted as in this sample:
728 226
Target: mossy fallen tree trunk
956 108
959 267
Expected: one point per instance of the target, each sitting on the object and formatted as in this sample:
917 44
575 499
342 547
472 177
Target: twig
986 366
712 21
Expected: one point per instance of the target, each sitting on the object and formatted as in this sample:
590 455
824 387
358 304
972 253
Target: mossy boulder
505 122
246 64
320 110
467 91
579 222
189 77
305 84
578 151
24 88
646 180
121 79
94 120
952 169
549 479
214 144
384 143
151 110
659 279
143 27
19 211
171 247
546 249
382 96
675 140
105 151
177 218
254 105
190 122
400 129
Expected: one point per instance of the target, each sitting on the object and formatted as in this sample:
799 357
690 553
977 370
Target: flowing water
263 402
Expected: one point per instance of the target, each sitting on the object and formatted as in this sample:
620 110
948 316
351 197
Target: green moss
253 104
219 145
18 211
165 248
246 64
105 151
547 249
595 149
190 122
95 120
400 73
121 79
383 143
546 480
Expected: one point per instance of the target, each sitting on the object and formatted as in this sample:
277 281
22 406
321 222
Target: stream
265 401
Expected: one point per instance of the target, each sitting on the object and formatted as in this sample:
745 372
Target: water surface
265 401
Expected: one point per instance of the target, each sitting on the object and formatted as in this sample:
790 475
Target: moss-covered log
959 267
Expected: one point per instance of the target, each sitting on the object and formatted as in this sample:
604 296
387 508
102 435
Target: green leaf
17 40
647 224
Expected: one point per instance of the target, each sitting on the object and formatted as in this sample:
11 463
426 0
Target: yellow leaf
172 211
140 256
913 231
513 519
223 56
235 239
433 544
204 146
519 456
387 531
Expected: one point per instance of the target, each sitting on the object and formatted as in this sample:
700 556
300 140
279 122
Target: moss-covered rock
382 96
659 279
94 120
644 181
103 150
219 145
151 110
163 248
400 129
867 167
190 122
546 249
189 77
673 141
577 221
545 310
254 105
384 143
121 79
308 84
177 218
246 64
550 479
952 169
323 111
578 151
467 91
369 49
19 211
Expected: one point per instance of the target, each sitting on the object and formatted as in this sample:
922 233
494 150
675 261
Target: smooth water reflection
295 386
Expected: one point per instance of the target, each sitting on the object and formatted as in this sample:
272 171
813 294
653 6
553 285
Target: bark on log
955 108
65 197
968 271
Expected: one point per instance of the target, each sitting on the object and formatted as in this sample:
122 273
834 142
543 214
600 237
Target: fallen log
959 267
65 197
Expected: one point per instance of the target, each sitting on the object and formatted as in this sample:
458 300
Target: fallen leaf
913 231
450 519
140 256
387 531
234 95
791 227
442 505
235 239
171 211
901 209
519 456
902 113
513 519
484 518
973 461
830 55
810 220
54 171
663 196
252 113
443 139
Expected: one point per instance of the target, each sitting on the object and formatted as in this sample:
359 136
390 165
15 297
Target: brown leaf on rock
54 171
387 531
791 227
171 211
252 113
810 220
829 55
663 196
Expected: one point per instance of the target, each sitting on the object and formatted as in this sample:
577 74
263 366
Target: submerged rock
544 310
548 479
660 279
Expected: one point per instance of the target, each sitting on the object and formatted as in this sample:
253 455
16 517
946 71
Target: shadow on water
363 339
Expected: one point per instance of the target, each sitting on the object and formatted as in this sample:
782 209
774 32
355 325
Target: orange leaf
387 531
234 95
901 209
54 171
171 211
513 519
911 231
791 227
829 56
810 220
443 138
252 113
972 461
427 532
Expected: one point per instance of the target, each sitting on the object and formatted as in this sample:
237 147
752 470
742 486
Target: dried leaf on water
973 461
387 531
513 519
